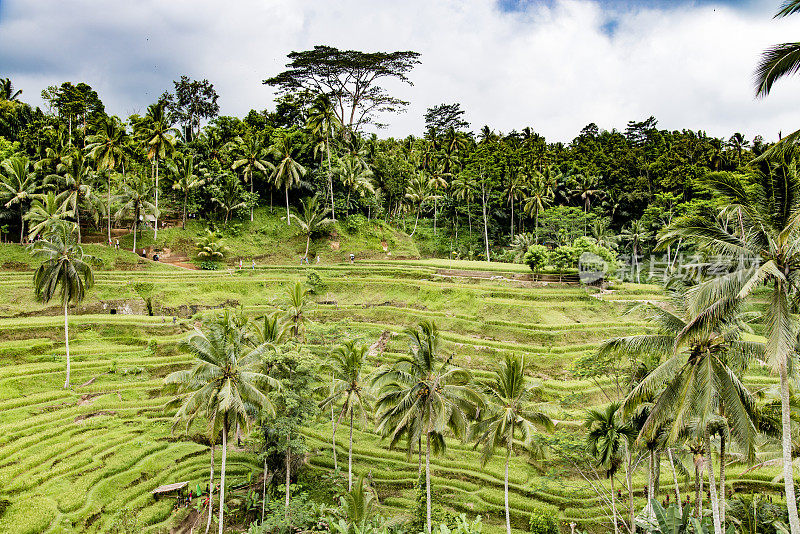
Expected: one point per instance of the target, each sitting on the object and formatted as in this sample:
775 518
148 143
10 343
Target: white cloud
551 67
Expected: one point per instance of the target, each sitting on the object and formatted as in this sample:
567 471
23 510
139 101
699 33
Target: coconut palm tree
355 176
606 437
65 271
135 194
294 309
542 194
514 191
311 219
323 123
508 417
223 386
185 179
635 234
420 394
7 91
288 172
766 210
107 148
159 139
346 367
251 156
417 193
17 186
45 213
464 189
76 176
778 61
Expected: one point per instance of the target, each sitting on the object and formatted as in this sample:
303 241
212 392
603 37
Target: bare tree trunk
428 479
155 231
288 475
21 224
674 477
712 485
614 506
722 478
786 443
350 455
264 490
66 342
211 490
505 488
222 473
330 175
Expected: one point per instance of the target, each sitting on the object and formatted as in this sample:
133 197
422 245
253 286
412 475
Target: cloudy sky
554 65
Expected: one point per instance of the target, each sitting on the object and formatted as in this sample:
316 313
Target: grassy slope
67 474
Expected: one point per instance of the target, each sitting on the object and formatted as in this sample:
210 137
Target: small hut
170 490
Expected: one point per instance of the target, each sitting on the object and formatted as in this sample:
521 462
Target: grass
69 463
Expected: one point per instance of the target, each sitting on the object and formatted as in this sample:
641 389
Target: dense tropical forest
286 322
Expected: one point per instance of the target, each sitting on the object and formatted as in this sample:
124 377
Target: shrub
562 258
543 522
536 257
209 265
316 285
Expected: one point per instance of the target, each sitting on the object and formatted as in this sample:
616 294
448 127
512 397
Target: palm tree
542 194
778 61
185 179
420 394
107 148
464 188
513 192
606 437
288 172
65 271
159 138
78 192
135 199
294 309
223 386
417 193
436 183
355 176
586 189
7 91
17 186
508 397
311 219
766 210
635 234
45 213
323 123
346 367
251 154
228 194
696 386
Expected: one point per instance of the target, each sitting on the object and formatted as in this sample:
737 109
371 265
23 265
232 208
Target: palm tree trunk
428 479
185 201
614 506
722 478
251 194
77 216
66 342
628 479
222 472
698 489
469 222
416 221
434 216
210 491
135 224
505 488
657 475
512 218
21 223
674 477
649 480
155 231
330 175
333 428
288 475
485 223
109 207
264 490
712 485
308 243
350 455
288 221
786 443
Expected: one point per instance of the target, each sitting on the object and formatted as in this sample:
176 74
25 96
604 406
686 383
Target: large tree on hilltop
350 78
193 101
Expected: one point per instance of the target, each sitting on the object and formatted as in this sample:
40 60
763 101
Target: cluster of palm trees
695 392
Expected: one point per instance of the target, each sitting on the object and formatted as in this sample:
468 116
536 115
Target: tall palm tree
251 156
7 91
417 193
288 172
635 234
45 214
323 123
185 179
436 182
159 139
464 188
346 367
223 386
607 434
508 417
420 394
294 309
311 219
586 188
107 148
17 186
135 198
355 176
542 194
76 177
514 191
64 271
766 207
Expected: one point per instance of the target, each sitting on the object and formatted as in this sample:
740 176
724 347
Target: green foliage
543 522
536 257
303 515
211 247
316 285
463 526
146 290
562 258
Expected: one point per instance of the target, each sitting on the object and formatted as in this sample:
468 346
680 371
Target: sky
552 65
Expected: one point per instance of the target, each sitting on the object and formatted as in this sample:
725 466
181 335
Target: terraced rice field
72 460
